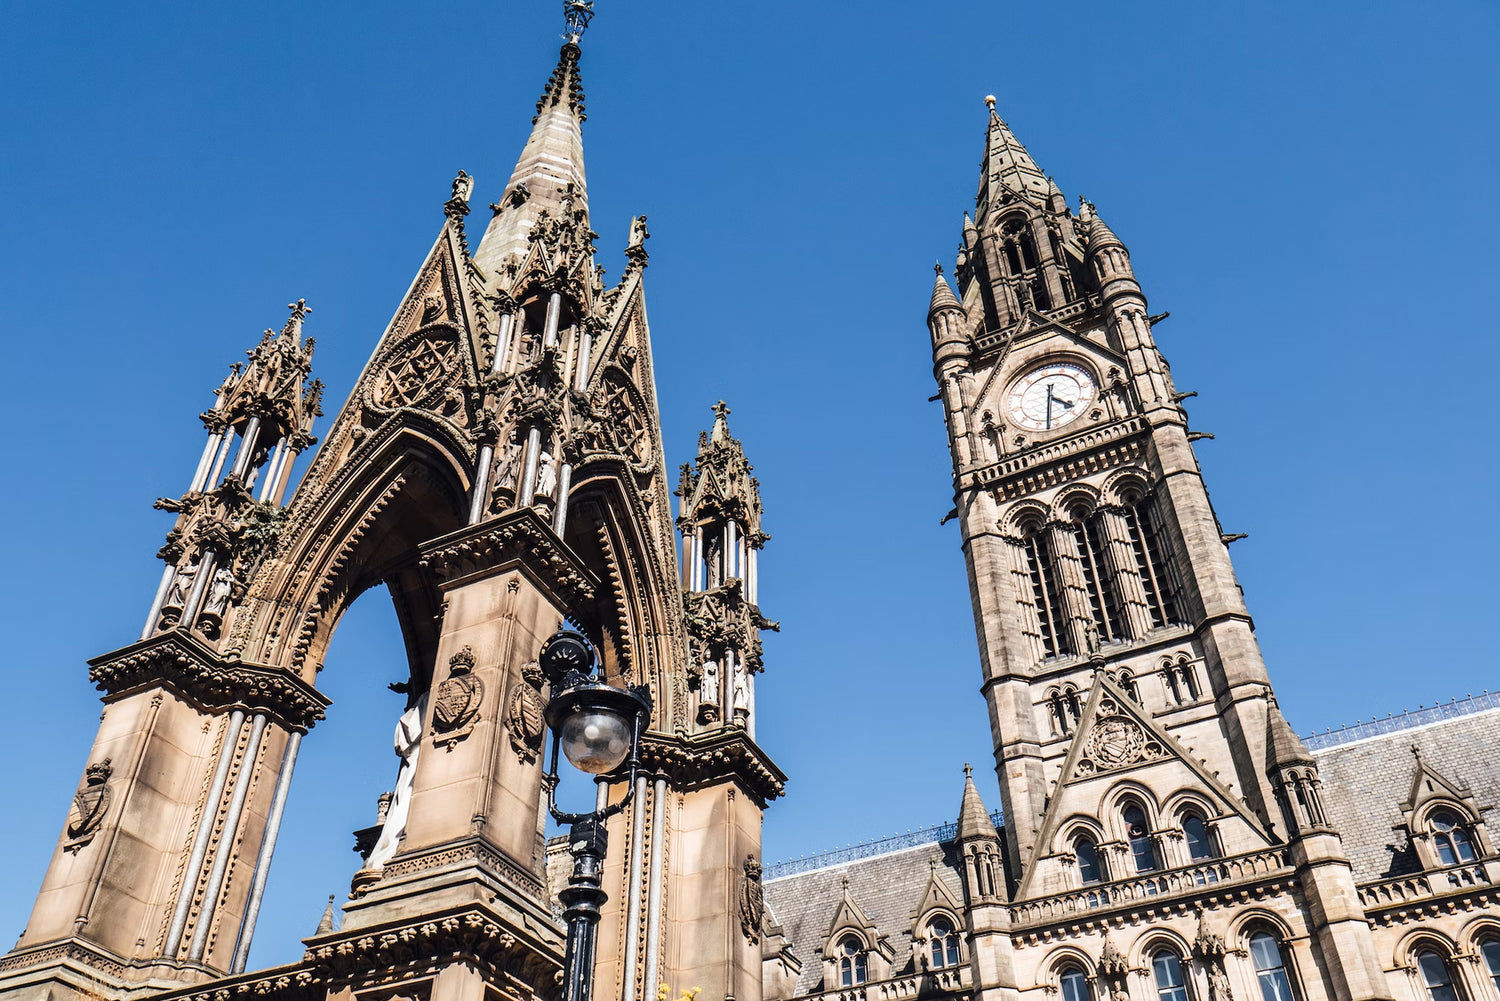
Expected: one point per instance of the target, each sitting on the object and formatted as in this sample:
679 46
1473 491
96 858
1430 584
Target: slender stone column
697 583
205 831
752 574
502 343
481 482
653 891
231 824
554 310
283 475
225 441
585 350
633 889
560 505
273 470
158 601
200 584
528 472
201 473
267 847
246 453
731 550
518 327
1075 592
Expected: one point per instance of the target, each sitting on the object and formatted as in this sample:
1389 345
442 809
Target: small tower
719 520
985 895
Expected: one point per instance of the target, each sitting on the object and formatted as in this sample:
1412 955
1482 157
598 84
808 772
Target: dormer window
1451 839
944 938
853 965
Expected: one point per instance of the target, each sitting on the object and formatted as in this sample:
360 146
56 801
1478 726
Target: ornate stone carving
419 372
457 700
1116 741
523 719
90 803
752 900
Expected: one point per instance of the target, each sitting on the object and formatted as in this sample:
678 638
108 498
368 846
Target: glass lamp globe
595 741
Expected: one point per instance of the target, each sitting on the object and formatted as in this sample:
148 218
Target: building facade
499 469
1166 834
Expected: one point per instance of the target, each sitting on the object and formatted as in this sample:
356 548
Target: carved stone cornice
473 852
1103 447
690 762
196 673
520 538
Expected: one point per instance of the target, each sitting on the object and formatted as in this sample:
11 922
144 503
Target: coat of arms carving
89 805
523 719
752 900
457 700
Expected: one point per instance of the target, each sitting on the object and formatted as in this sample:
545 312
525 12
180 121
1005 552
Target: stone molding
519 538
1100 447
699 760
474 852
61 952
195 672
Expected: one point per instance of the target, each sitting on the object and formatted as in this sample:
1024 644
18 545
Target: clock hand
1049 406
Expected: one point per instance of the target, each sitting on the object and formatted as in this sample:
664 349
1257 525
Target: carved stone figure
638 232
90 803
462 185
546 475
1218 984
507 466
741 689
407 742
708 688
220 589
523 718
182 586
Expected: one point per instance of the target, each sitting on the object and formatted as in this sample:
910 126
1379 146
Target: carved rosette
456 701
90 803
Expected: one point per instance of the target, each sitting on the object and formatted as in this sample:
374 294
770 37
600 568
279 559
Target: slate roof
888 888
1365 782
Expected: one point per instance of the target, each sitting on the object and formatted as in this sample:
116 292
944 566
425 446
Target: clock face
1051 396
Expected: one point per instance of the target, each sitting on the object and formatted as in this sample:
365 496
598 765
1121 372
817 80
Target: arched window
1153 554
1199 845
1270 968
853 969
1139 834
1167 969
1126 680
1088 860
1489 950
1047 593
1075 985
1453 842
1436 976
944 938
1104 603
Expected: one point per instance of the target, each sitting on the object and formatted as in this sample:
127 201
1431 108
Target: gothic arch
1025 516
1121 795
1119 484
1061 958
1078 824
1153 940
1188 798
1252 919
364 527
1073 497
1419 938
1485 926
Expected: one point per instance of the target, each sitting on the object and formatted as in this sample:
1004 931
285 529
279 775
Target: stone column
1074 587
1119 560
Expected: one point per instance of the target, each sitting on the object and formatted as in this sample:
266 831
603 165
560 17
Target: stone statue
638 233
407 742
507 465
182 586
741 687
546 475
219 590
462 185
708 686
1218 984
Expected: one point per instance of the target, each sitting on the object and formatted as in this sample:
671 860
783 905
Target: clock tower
1135 729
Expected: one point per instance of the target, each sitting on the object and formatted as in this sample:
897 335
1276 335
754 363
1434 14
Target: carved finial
577 14
938 267
299 309
989 100
844 882
968 770
1416 752
721 410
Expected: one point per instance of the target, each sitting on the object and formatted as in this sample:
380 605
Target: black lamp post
598 727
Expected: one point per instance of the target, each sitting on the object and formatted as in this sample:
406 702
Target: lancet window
1151 546
1103 589
1437 976
1451 839
1074 984
1046 587
1270 968
1166 969
853 964
1180 679
944 939
1065 708
1138 833
1489 951
1089 870
1200 845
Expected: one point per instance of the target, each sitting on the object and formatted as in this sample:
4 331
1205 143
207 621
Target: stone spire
942 294
549 172
1282 741
973 819
1007 165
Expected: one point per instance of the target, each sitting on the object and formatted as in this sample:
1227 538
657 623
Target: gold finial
989 100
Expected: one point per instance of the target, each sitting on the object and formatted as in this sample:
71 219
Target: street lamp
598 728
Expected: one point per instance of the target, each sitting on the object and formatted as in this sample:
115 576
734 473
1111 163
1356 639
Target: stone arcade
499 467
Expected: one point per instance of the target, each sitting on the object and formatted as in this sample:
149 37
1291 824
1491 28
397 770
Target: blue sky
1308 188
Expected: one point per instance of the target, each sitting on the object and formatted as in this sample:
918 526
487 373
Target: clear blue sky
1309 188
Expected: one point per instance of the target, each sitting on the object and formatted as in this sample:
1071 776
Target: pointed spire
1096 234
550 164
973 819
325 924
1007 164
721 422
942 294
1286 747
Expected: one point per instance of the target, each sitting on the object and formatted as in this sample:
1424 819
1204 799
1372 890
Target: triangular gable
936 896
1428 784
1034 327
849 917
1117 738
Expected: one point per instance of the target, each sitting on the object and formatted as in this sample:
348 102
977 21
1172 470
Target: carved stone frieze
473 852
201 676
703 759
520 538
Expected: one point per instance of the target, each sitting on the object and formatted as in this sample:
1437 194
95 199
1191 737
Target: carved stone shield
457 700
1116 741
752 900
523 718
90 804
